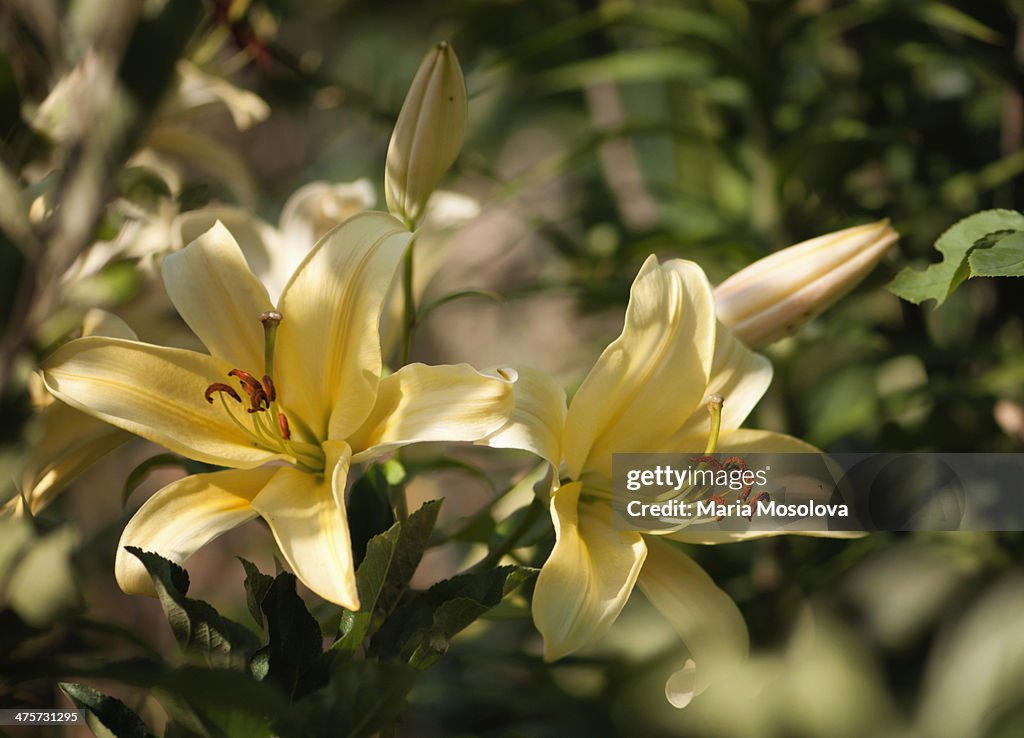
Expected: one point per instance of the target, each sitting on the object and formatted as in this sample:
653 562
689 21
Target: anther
282 425
268 386
221 387
257 396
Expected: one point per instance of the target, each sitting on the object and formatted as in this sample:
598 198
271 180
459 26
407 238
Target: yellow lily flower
310 400
645 394
63 441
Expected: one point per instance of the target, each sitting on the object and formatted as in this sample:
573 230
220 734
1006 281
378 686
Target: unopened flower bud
776 295
427 135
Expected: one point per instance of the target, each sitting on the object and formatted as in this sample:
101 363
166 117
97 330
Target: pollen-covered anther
258 399
282 425
268 387
221 387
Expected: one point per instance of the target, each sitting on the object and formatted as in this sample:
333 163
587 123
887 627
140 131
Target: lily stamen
268 386
221 387
282 425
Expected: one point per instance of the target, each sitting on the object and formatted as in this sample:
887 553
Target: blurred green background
601 132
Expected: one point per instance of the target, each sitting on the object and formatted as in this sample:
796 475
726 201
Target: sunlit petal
213 289
69 442
433 403
154 392
739 376
588 577
538 417
328 360
306 514
649 379
703 615
183 517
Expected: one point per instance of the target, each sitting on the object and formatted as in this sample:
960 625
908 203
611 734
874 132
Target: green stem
497 553
398 501
409 303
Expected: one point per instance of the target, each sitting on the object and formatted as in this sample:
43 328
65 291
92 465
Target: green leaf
956 244
1003 258
369 511
295 650
383 576
370 576
105 715
257 584
219 702
421 630
161 461
197 627
633 65
363 698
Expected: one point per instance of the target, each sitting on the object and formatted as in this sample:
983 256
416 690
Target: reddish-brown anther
221 387
282 425
257 396
268 386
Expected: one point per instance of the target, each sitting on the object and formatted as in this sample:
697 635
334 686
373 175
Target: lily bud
776 295
427 135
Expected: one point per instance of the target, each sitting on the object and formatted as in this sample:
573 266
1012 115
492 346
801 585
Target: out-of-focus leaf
43 586
197 627
956 244
362 698
161 461
294 654
635 65
222 703
946 16
105 715
1004 258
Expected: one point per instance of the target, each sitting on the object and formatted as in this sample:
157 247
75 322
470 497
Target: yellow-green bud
427 135
776 295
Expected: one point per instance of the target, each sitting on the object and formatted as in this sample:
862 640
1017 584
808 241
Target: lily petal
588 577
739 376
154 392
703 615
750 441
328 360
213 289
69 443
538 417
183 517
433 403
649 379
257 239
306 513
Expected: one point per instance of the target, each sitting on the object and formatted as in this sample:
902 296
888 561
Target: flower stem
409 302
526 522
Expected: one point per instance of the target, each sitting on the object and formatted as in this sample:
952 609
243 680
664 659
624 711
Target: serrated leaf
1004 258
937 281
197 627
294 654
414 534
257 584
370 576
421 629
383 576
105 715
